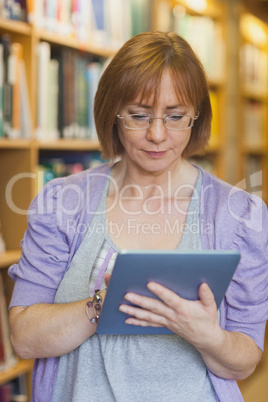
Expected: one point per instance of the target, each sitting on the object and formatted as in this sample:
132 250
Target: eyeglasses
171 122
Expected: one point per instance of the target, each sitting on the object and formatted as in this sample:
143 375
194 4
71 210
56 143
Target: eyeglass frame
159 118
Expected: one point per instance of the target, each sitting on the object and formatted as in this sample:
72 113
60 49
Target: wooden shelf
57 39
254 94
69 145
254 150
9 258
22 367
22 28
5 143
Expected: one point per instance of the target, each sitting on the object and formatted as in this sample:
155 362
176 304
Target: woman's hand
230 355
195 321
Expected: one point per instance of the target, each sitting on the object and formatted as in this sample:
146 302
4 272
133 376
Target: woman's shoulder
227 194
232 206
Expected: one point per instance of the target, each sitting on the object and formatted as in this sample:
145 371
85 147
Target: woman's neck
133 182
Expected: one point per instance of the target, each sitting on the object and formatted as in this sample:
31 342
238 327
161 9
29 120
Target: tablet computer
182 272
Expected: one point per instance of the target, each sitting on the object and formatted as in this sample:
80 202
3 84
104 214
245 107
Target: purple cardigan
230 219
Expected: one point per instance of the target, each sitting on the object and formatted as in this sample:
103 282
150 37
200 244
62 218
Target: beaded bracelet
96 304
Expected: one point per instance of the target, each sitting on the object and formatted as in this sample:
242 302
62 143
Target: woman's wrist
94 306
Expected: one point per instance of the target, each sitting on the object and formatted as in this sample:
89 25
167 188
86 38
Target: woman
152 110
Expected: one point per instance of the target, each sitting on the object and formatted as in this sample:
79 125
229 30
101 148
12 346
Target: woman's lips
155 154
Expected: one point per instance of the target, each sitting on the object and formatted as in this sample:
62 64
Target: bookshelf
254 103
19 158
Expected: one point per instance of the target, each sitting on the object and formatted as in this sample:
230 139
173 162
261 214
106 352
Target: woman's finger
143 317
170 298
206 295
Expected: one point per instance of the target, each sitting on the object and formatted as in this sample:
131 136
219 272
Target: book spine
25 109
53 93
42 90
7 88
30 7
94 72
14 63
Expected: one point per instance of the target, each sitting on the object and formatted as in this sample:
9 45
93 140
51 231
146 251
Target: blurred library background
52 53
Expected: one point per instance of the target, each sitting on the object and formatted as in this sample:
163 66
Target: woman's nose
157 132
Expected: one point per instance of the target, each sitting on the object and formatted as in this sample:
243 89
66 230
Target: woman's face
156 149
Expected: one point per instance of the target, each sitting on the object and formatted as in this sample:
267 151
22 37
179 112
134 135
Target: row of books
254 69
15 115
13 9
66 88
254 123
203 33
105 22
15 390
52 167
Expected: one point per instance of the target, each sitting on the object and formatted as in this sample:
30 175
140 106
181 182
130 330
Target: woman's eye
175 117
140 116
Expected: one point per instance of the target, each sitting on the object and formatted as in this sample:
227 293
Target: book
14 73
13 9
205 35
30 7
254 69
80 98
99 33
25 109
64 25
7 87
64 164
164 16
118 23
94 71
66 118
42 90
140 16
52 99
5 393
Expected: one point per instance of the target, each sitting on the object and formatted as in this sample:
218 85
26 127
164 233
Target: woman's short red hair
136 70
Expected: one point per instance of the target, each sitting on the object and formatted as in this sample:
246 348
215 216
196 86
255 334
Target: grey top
125 367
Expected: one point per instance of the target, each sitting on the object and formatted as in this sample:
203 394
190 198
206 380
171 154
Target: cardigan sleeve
246 300
58 219
45 252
